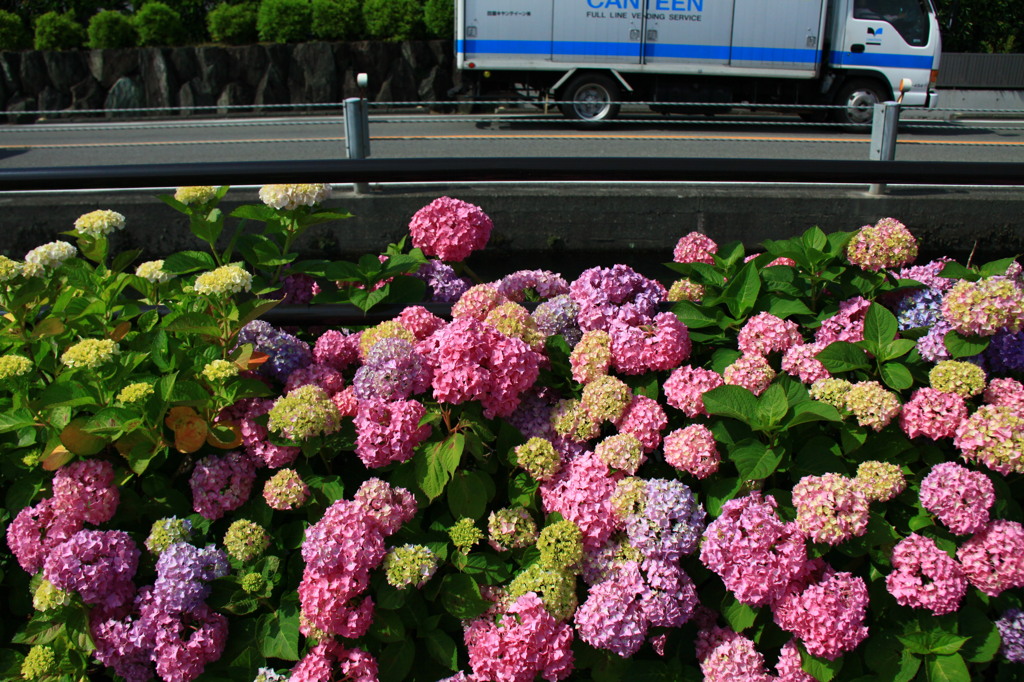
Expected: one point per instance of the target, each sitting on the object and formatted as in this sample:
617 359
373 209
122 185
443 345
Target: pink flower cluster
752 372
526 643
645 419
256 436
221 483
754 553
616 294
336 349
473 361
830 508
847 324
1005 392
692 449
320 663
728 656
83 491
341 549
925 577
765 333
695 248
582 492
450 229
592 356
802 362
933 414
685 387
994 436
959 497
984 307
612 617
827 615
993 558
389 431
660 344
98 565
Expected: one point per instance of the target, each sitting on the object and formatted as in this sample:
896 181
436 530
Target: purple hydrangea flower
184 571
393 370
1011 629
445 286
671 522
922 308
558 316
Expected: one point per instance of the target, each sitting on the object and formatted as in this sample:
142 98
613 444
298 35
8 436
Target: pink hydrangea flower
993 558
592 356
420 321
933 414
390 505
612 617
473 361
221 484
324 376
86 489
183 646
320 663
615 294
984 307
789 666
450 229
734 657
657 345
336 349
582 492
994 436
685 387
478 301
925 577
544 283
695 248
959 497
389 431
830 508
526 643
37 530
692 449
754 553
285 490
1005 392
255 437
828 616
98 565
801 361
645 419
847 324
752 372
766 333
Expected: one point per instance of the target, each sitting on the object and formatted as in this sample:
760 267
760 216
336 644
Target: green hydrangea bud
246 540
606 398
569 419
831 391
872 405
465 534
630 497
40 662
556 588
409 565
166 532
511 528
14 366
880 481
48 596
9 269
90 353
305 412
955 376
219 371
134 393
253 583
561 545
539 458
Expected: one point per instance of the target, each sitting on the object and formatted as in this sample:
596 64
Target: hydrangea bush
797 464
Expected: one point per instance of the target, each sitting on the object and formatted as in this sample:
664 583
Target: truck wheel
590 98
857 100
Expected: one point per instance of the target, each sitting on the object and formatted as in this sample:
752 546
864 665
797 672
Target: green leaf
945 643
720 491
490 568
467 495
785 307
821 669
843 356
813 411
896 376
896 349
741 292
950 668
431 475
460 596
996 267
449 451
754 460
814 238
960 346
185 262
259 212
279 631
772 406
693 316
396 660
731 401
738 615
192 323
880 326
12 420
953 270
387 626
442 649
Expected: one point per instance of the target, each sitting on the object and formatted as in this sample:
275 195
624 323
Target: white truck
591 55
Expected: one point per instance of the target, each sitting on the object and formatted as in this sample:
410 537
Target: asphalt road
425 135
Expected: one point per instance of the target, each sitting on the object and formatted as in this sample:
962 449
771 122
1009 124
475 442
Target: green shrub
393 19
439 18
58 32
337 19
110 29
193 15
233 24
13 35
284 21
158 25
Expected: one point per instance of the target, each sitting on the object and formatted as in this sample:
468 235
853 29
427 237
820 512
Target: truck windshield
908 17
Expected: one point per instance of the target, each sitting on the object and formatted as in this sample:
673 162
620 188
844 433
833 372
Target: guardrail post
884 124
357 133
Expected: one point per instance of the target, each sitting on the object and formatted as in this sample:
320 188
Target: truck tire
590 98
856 100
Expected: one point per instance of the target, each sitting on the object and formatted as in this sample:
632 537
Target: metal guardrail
530 169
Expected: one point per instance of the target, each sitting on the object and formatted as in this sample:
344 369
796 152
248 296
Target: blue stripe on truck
545 49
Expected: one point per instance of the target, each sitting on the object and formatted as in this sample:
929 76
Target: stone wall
166 79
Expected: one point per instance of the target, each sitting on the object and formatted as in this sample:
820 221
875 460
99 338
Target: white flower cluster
293 196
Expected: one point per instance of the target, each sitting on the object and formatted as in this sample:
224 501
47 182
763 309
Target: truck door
688 31
782 34
591 31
